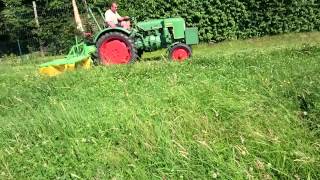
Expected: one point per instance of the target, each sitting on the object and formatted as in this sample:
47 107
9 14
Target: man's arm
125 18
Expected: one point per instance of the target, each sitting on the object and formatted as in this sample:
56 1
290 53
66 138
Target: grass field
247 109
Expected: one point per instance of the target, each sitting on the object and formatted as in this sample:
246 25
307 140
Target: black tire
140 53
123 38
182 46
95 58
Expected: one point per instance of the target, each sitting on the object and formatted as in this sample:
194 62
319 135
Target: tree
77 16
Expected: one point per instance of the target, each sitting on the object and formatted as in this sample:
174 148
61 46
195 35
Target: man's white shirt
112 17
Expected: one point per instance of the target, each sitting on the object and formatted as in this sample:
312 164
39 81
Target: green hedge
217 20
231 19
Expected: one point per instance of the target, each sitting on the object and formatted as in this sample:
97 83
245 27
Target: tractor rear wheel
116 48
180 52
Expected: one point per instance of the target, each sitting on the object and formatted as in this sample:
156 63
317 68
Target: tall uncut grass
236 110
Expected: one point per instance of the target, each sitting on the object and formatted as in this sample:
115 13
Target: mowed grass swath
236 110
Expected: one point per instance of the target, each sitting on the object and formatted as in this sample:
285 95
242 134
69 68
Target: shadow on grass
154 58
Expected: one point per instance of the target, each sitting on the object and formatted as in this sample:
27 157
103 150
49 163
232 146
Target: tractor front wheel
116 48
180 52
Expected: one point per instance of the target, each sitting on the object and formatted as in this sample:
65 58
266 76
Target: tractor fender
107 30
171 45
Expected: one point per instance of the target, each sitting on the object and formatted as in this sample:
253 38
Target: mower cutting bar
78 57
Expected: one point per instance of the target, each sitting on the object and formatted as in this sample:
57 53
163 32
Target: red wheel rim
114 51
180 54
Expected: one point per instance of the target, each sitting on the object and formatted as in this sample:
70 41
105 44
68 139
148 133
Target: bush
219 20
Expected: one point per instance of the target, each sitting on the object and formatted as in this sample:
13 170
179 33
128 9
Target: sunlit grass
236 110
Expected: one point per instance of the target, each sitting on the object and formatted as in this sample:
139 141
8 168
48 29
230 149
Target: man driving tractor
113 19
111 45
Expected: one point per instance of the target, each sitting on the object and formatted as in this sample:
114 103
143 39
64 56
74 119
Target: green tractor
122 46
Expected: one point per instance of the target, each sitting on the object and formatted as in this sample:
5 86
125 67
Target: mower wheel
95 58
180 52
116 48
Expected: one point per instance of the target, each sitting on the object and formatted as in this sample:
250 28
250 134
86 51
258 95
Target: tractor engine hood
161 23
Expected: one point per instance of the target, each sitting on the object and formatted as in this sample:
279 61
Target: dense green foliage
56 31
238 110
230 19
217 20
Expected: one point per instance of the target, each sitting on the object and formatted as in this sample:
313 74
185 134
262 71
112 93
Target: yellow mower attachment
78 57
